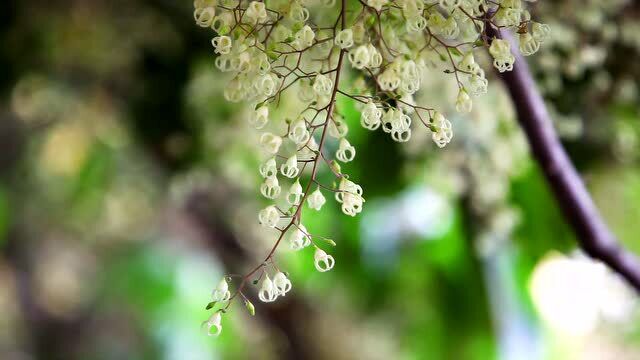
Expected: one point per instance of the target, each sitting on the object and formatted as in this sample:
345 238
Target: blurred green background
128 187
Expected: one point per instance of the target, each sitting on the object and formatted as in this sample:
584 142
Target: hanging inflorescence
301 48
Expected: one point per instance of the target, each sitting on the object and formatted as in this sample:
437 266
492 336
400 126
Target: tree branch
593 234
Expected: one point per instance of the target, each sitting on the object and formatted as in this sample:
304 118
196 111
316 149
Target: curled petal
323 261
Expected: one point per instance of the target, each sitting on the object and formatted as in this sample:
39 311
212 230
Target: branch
201 210
593 234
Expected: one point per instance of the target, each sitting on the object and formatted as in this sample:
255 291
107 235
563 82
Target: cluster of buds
302 47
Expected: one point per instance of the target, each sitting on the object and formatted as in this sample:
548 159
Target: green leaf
210 305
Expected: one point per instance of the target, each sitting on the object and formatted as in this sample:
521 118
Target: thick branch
593 234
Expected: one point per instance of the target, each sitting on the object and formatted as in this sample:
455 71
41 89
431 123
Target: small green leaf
210 305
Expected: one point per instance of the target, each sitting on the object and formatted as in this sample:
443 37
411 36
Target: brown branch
201 211
592 233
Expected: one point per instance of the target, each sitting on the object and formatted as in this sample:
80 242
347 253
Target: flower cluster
276 47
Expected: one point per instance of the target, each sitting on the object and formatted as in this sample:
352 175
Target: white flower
204 16
338 127
350 195
316 199
398 124
344 39
410 75
269 169
468 63
388 80
322 85
463 102
268 292
322 260
352 204
370 116
282 283
478 84
295 193
436 22
416 23
256 12
375 58
528 44
221 44
359 57
266 84
509 14
222 21
204 3
359 32
269 216
540 31
450 4
221 292
298 13
260 117
261 63
223 63
241 62
411 7
304 38
306 93
443 132
270 188
308 152
377 4
215 321
450 29
346 152
281 32
290 167
299 238
474 6
271 142
502 57
299 133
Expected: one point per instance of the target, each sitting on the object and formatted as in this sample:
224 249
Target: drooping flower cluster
302 47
